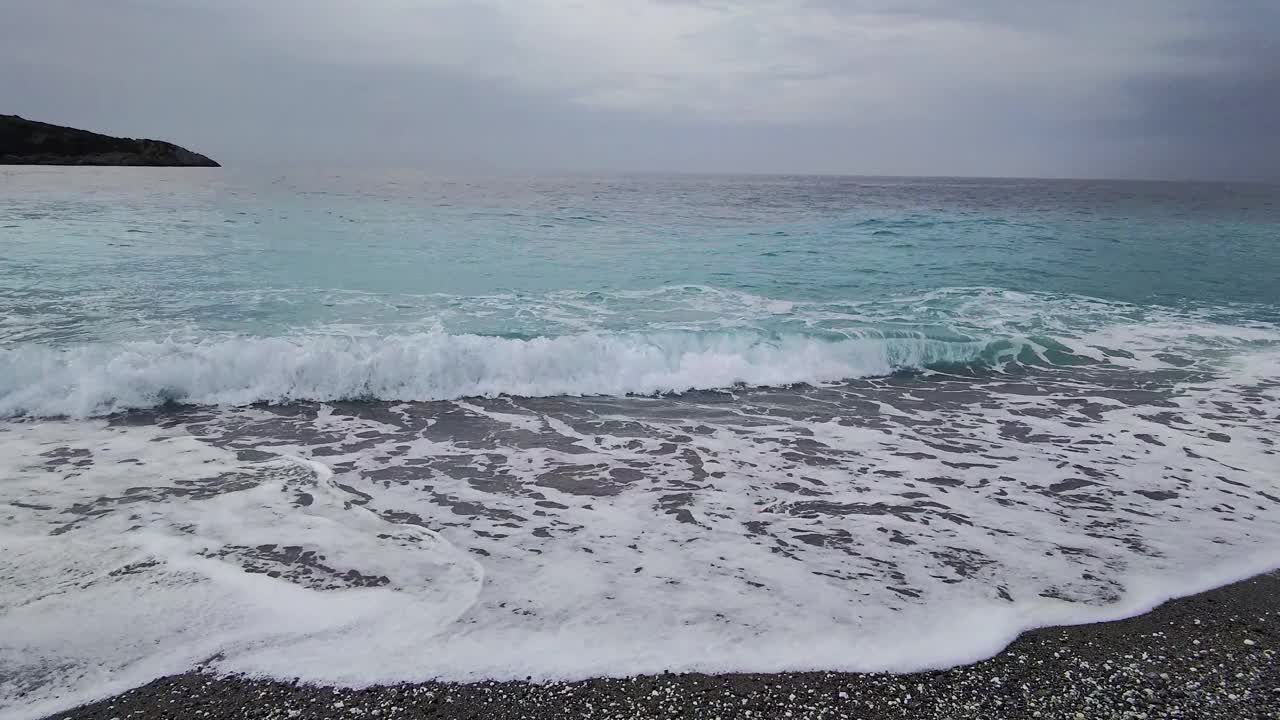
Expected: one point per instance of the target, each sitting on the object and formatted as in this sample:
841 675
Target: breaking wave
103 378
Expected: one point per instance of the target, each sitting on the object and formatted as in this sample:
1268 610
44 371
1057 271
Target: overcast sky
1081 88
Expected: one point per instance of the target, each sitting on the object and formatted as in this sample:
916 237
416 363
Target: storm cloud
1147 88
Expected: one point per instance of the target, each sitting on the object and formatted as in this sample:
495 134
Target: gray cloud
1219 117
1176 88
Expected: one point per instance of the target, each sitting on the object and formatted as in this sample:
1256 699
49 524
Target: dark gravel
1209 656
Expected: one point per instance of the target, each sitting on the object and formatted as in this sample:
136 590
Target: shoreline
1211 655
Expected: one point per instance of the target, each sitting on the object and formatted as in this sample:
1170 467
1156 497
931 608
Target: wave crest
105 378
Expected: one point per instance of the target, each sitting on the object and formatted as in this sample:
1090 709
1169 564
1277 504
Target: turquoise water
378 427
891 273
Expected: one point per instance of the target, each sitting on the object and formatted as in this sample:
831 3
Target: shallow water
366 428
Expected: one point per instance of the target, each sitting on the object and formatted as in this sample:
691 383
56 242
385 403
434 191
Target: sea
368 427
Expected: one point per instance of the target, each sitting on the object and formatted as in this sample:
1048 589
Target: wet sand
1213 655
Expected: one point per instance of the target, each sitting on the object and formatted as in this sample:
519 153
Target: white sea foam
101 602
840 527
137 551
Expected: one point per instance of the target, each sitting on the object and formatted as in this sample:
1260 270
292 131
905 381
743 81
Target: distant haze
1090 88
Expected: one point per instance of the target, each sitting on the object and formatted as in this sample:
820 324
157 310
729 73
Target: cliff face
26 142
